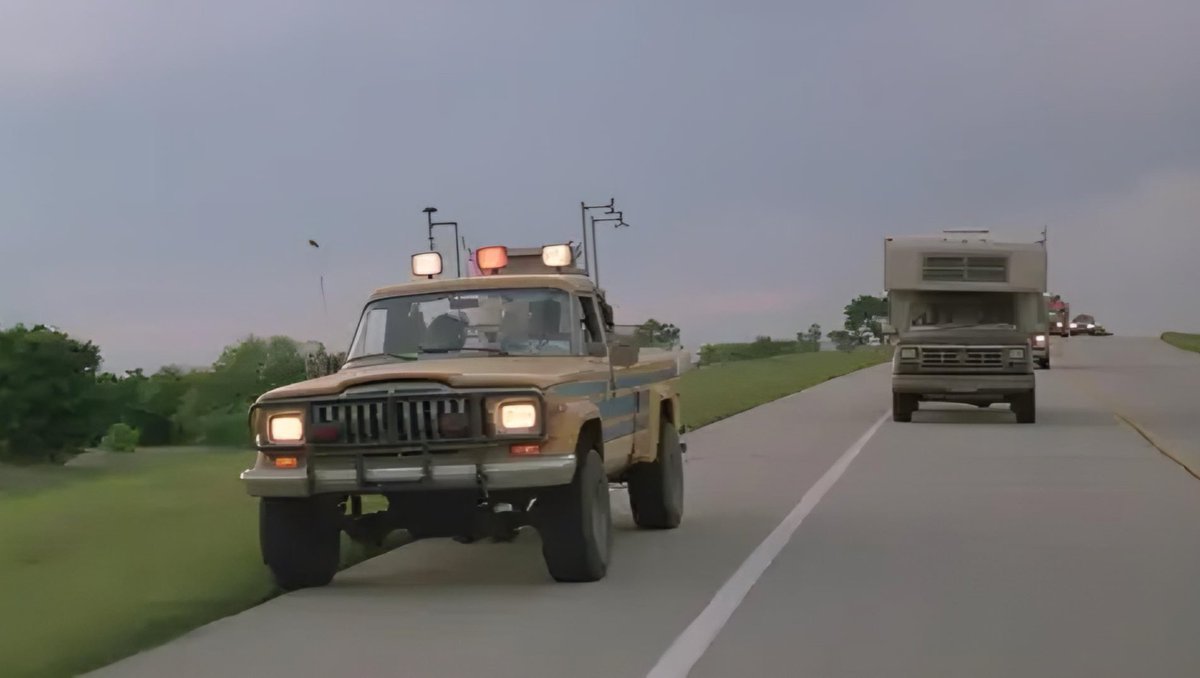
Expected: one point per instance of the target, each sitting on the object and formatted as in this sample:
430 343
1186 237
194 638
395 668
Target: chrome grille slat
952 357
396 420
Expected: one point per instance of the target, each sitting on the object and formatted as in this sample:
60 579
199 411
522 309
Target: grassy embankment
98 563
1188 342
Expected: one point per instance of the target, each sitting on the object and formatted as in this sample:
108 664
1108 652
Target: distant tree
810 341
862 317
657 334
49 404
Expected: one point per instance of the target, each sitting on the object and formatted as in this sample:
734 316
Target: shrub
121 437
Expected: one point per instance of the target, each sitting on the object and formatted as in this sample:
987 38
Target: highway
961 544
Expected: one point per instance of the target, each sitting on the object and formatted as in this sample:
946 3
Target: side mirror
597 349
622 355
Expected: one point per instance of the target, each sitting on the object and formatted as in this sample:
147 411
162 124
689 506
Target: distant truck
964 308
1058 313
473 406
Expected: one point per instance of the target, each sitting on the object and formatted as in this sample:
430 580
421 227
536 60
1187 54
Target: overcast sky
162 165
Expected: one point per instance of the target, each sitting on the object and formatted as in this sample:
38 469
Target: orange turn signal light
525 450
286 462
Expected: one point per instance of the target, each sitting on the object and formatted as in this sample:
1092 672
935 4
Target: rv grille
400 421
939 357
965 269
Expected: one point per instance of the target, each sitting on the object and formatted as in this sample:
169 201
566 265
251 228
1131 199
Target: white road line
691 645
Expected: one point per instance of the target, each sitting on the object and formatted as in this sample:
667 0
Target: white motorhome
964 309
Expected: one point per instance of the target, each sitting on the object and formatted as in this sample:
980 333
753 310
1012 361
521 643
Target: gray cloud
162 167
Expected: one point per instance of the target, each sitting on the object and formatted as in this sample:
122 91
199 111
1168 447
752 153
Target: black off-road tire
1025 407
301 540
575 522
903 406
656 488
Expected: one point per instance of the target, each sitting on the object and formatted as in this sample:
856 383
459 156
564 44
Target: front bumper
388 473
963 384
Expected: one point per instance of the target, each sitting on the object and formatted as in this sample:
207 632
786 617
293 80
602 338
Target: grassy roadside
99 563
723 390
1188 342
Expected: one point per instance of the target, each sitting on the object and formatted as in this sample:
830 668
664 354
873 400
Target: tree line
55 400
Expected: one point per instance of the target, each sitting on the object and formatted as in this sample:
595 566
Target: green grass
1188 342
118 553
712 393
94 569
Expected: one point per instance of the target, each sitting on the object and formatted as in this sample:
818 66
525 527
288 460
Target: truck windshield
963 309
476 323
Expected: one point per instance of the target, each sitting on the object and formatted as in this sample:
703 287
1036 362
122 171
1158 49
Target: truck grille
398 421
950 357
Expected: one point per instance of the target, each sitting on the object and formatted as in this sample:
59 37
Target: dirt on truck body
475 406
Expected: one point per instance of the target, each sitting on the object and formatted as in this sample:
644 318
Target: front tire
903 406
1025 407
656 488
301 540
575 523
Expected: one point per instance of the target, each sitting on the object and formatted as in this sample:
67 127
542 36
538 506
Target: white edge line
691 645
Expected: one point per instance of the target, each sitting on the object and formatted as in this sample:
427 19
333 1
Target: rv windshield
473 323
963 309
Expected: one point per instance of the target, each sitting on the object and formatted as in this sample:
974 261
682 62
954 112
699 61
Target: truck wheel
575 522
300 540
656 488
903 406
1025 407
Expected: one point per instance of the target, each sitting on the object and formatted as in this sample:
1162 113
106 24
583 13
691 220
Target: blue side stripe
618 407
618 430
635 380
580 388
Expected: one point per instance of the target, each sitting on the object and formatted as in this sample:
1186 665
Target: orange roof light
491 259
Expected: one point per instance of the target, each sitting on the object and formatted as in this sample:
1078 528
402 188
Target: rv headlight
517 417
1059 323
1041 338
1016 354
908 353
285 428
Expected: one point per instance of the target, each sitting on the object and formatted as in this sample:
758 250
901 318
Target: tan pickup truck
475 406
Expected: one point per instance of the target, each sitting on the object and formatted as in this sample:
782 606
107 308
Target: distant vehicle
1083 324
964 308
1058 313
516 404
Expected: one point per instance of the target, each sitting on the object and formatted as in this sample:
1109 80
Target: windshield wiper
438 349
383 354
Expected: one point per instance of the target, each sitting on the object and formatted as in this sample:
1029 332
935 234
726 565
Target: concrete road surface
961 544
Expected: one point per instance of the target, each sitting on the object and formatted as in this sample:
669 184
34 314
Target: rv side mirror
622 354
597 349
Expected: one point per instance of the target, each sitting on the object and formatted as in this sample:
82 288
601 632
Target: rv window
965 269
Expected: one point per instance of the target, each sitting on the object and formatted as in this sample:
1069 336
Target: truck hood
965 336
499 372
